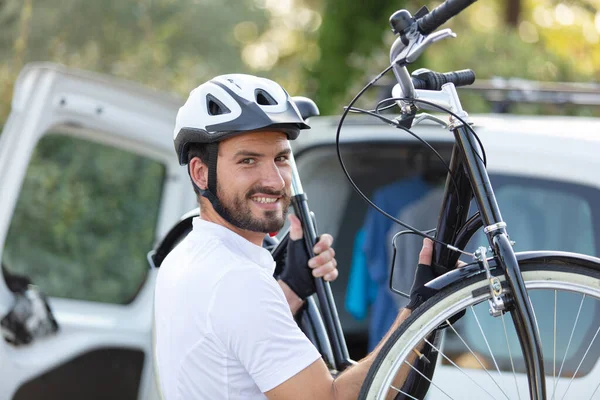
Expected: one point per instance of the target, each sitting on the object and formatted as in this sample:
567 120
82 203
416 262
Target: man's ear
199 173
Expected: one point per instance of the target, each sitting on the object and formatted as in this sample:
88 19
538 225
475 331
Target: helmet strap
213 154
210 193
211 190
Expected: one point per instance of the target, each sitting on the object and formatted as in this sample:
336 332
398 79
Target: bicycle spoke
581 362
459 368
485 340
404 393
562 364
476 358
554 359
534 317
573 353
428 380
512 364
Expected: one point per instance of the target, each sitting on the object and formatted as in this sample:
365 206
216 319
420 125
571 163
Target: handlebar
415 34
442 13
431 80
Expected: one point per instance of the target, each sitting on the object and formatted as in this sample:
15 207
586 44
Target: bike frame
467 179
467 167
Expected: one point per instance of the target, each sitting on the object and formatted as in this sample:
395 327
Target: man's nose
272 177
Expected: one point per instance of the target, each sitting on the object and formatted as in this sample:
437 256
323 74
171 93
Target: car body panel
120 115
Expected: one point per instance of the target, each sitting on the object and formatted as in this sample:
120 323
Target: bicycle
506 282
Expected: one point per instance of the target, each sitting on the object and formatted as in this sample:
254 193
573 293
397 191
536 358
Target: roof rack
523 90
504 92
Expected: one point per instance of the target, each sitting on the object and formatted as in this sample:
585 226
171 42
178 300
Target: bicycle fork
523 317
519 305
472 181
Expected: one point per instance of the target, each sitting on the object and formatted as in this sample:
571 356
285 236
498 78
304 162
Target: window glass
85 220
545 215
540 215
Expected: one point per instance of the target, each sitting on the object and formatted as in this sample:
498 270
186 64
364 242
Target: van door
88 182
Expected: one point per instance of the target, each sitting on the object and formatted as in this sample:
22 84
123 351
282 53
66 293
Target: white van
81 235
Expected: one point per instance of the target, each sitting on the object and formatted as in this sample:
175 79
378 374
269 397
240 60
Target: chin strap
210 192
213 154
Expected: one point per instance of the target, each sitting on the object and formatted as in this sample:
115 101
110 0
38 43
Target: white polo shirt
223 327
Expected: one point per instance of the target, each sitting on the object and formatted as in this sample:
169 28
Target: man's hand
419 293
426 253
299 272
323 263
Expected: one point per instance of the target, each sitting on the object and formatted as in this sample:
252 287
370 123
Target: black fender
524 258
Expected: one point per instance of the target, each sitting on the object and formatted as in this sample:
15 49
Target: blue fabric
361 290
391 199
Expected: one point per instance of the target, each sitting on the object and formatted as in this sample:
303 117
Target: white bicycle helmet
233 104
229 105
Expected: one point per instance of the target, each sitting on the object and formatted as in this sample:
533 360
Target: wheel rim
579 285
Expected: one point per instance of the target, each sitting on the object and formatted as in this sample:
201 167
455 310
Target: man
224 326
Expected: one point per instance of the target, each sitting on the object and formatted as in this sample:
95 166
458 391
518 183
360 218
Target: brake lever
424 116
418 44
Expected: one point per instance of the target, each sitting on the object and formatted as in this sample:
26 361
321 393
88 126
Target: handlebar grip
442 13
430 80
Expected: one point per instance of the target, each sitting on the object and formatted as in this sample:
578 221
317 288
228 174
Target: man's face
253 180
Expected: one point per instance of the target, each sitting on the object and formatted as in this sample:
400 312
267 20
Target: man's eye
248 161
282 158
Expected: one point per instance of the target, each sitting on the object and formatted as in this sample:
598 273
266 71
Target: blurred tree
168 45
353 41
552 41
174 45
549 40
85 220
512 12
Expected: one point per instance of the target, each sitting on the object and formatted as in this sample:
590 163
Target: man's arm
315 381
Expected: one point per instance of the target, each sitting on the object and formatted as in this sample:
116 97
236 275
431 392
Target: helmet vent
215 107
264 99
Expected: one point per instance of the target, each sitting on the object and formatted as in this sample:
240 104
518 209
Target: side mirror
306 106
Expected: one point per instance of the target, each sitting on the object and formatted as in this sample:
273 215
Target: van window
540 215
545 215
85 218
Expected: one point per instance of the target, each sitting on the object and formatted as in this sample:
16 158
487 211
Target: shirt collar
254 253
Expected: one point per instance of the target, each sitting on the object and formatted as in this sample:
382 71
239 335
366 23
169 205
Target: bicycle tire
541 279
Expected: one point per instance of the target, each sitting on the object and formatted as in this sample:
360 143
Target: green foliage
85 220
493 49
168 45
551 41
353 45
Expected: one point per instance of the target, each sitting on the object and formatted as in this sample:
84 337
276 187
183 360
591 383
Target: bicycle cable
393 123
482 157
420 139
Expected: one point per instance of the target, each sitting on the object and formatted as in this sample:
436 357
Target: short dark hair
199 150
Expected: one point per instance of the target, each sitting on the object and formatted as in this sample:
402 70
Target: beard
237 211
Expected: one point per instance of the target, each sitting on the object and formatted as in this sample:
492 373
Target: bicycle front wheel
479 356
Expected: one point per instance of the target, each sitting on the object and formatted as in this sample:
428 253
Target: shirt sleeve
251 317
